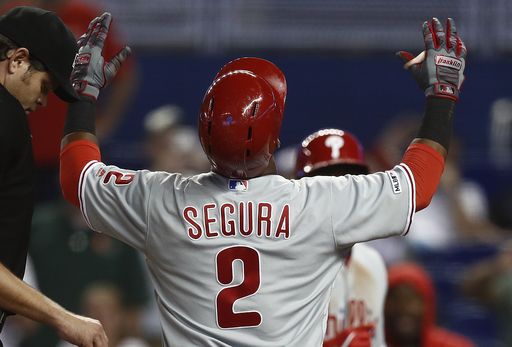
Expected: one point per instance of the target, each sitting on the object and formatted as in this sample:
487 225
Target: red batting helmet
327 148
239 124
262 68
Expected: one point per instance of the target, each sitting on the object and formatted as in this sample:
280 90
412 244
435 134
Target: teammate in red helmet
240 256
355 316
330 152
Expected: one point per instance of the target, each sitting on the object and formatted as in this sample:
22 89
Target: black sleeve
11 136
81 117
438 120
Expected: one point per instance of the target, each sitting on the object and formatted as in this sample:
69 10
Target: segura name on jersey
246 219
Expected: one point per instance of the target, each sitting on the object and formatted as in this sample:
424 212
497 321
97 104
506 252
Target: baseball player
241 256
356 307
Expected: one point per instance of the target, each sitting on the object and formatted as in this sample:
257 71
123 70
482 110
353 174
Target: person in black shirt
36 56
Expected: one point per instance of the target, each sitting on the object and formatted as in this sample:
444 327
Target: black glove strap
81 117
438 120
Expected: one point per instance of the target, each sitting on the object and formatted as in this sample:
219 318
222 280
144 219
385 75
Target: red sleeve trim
426 166
74 157
412 197
81 192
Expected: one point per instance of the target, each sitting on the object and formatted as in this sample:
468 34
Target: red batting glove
357 337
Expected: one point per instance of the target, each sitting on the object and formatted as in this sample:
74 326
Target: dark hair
7 44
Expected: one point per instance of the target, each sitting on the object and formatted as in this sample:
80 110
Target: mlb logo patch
395 182
239 185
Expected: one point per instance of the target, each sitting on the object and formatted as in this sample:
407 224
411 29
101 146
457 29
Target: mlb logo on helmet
238 185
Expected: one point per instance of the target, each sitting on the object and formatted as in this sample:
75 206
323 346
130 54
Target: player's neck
271 168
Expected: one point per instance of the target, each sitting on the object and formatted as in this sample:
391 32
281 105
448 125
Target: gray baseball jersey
244 262
358 295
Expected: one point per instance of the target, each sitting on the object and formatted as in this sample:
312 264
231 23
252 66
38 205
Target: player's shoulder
165 179
117 176
201 181
316 181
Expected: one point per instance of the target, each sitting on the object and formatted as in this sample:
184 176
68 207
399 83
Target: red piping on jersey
427 166
410 178
73 158
81 192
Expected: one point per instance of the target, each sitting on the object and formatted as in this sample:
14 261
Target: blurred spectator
490 281
501 209
68 257
501 133
170 146
410 311
103 302
392 142
112 106
501 158
458 212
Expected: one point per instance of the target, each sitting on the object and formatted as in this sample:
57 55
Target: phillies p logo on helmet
329 147
335 143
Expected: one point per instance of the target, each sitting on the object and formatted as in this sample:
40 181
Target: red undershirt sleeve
73 158
427 166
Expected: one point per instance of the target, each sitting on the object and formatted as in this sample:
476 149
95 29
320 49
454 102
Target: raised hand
90 71
439 70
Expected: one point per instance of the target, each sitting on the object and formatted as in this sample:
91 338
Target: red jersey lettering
208 220
121 178
283 227
242 218
224 222
189 213
264 217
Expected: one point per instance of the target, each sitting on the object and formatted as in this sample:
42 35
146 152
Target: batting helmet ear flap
264 69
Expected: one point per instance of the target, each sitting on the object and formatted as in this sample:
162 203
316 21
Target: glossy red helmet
262 68
330 148
239 124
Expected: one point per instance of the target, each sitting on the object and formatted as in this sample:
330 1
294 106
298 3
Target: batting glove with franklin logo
90 71
439 70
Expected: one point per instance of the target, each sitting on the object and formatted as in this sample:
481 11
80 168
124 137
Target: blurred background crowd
338 58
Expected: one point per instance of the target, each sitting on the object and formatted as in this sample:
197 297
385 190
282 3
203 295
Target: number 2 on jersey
227 318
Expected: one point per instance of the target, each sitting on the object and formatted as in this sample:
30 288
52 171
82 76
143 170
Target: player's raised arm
439 71
90 73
